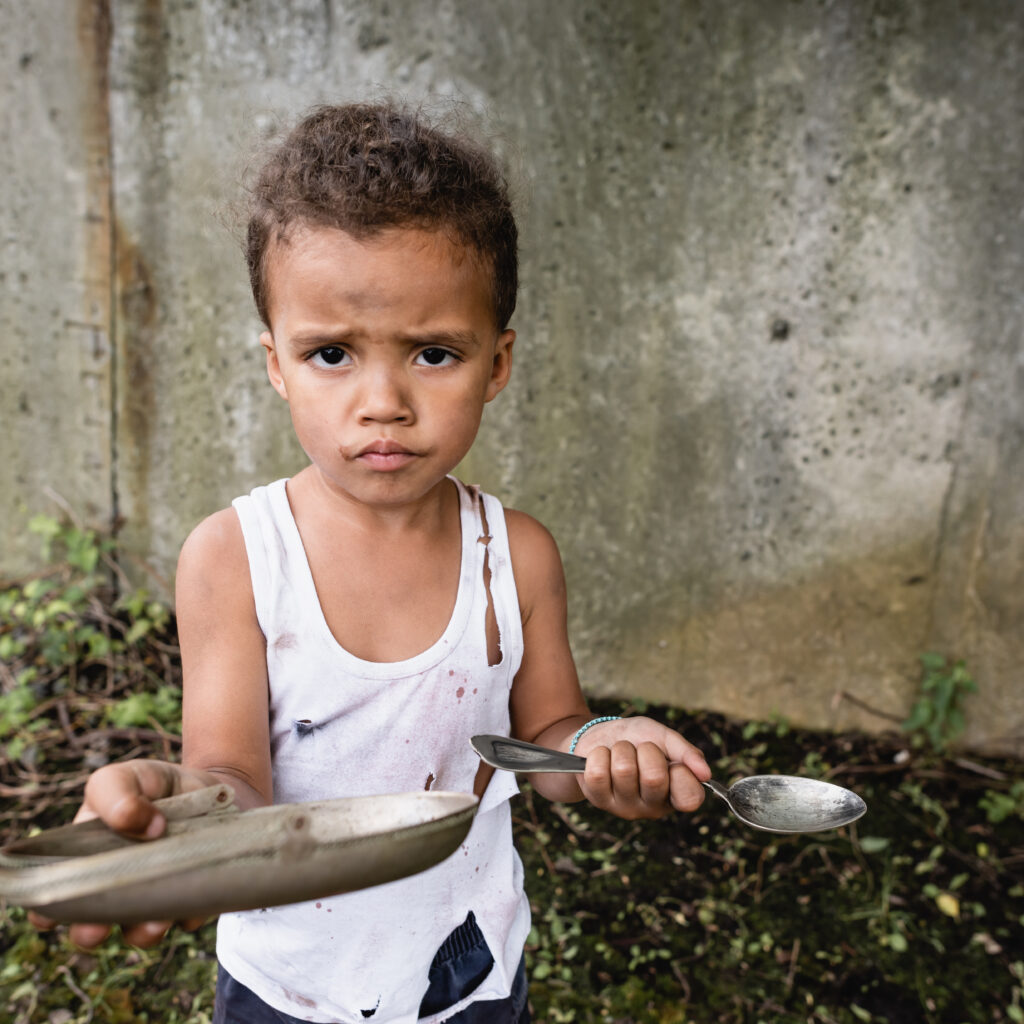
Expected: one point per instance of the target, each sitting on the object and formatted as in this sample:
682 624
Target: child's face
386 351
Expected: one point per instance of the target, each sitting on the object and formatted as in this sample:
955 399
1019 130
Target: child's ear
273 367
501 368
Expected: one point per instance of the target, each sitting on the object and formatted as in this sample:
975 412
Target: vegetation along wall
768 381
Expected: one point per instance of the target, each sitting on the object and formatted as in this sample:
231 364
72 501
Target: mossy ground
916 913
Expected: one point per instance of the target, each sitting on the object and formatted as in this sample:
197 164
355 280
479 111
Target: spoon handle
513 755
718 789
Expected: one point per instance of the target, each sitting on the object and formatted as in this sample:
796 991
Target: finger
686 792
597 777
625 773
89 936
681 751
146 934
123 794
653 775
190 924
44 924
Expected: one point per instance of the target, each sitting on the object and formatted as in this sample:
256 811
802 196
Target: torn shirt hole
304 727
370 1013
493 634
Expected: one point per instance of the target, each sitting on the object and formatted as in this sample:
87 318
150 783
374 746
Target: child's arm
226 698
628 761
225 728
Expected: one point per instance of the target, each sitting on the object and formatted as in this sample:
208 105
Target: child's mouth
385 456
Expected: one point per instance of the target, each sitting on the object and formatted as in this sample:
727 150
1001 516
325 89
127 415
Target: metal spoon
785 804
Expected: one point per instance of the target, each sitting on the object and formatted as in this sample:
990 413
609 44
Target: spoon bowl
785 804
789 804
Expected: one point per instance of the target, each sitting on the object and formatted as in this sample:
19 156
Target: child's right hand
122 795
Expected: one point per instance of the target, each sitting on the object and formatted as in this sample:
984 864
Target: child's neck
315 495
387 577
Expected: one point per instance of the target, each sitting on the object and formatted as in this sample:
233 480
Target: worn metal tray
214 858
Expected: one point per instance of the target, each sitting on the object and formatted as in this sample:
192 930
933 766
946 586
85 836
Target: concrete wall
55 262
768 379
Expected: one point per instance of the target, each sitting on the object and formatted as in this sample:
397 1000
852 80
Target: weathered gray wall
768 379
55 259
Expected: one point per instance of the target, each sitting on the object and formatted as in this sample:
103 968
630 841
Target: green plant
139 709
66 632
937 715
998 806
56 618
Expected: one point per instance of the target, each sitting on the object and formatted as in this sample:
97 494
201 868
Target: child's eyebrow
316 339
462 339
453 337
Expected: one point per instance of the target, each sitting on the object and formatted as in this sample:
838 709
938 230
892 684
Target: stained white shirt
341 726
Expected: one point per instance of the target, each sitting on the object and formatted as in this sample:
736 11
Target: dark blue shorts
459 966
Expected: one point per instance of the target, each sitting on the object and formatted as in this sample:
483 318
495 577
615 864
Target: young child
344 632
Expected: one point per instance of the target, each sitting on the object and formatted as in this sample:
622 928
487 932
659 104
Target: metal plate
233 860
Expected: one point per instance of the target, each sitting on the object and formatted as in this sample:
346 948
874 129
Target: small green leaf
138 629
919 717
874 844
135 710
11 647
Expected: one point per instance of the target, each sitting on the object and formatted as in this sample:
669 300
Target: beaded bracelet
583 728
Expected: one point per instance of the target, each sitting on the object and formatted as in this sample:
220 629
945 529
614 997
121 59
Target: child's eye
435 357
329 356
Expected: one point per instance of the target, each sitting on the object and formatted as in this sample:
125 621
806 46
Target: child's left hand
639 768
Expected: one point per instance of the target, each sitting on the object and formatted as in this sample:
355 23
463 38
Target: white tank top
341 726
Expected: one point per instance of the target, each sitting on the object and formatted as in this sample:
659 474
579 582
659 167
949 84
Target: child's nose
383 397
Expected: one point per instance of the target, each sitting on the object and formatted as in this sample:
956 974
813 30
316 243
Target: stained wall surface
768 379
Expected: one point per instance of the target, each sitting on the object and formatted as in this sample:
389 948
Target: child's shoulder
528 534
219 533
536 563
214 550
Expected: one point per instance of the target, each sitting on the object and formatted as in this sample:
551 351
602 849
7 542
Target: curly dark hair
366 167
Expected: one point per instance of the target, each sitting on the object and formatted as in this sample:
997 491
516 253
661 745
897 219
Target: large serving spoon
786 804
